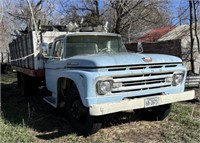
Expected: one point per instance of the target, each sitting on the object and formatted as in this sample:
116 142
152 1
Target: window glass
58 48
91 44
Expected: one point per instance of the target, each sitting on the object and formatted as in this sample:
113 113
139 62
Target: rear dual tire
26 84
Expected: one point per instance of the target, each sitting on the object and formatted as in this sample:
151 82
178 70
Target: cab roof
88 33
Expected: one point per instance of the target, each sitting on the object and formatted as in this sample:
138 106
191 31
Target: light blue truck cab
91 74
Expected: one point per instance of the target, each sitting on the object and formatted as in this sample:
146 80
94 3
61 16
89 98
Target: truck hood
124 59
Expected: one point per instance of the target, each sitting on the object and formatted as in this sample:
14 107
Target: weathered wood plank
192 81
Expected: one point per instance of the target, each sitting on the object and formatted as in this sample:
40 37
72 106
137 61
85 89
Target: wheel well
63 86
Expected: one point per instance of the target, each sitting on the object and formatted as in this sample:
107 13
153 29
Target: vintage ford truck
91 74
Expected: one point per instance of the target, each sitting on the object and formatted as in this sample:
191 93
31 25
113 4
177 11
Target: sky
174 4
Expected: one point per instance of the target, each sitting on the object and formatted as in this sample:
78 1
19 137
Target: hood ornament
147 59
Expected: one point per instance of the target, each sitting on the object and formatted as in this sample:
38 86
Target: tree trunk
117 26
191 38
96 3
195 23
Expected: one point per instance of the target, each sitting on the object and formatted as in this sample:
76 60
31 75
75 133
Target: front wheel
78 114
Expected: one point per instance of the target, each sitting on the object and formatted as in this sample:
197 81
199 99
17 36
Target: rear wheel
78 114
26 84
23 84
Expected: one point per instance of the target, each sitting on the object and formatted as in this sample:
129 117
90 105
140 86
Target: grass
183 124
30 119
14 133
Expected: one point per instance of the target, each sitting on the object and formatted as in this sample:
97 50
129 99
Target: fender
85 84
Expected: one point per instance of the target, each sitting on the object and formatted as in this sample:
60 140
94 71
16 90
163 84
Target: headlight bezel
104 86
178 78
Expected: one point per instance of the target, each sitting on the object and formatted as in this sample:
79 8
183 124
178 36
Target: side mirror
44 49
139 47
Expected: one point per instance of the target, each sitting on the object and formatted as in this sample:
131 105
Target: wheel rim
78 112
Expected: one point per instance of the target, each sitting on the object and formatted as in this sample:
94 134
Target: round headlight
104 87
177 78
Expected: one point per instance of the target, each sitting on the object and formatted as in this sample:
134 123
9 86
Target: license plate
151 101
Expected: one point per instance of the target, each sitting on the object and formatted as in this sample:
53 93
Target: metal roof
154 34
178 33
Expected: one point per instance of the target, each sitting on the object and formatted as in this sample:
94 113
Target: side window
58 48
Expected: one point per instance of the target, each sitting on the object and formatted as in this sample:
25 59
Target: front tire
78 114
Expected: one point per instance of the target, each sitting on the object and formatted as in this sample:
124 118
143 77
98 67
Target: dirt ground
47 124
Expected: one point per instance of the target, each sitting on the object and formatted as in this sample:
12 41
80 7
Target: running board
51 100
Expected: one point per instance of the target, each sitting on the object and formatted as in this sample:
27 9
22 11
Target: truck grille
142 82
141 67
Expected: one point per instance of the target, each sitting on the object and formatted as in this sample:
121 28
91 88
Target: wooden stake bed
25 52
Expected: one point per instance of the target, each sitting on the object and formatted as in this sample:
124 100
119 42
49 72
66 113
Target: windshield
92 44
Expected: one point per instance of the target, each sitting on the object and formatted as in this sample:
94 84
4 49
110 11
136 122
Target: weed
181 126
14 133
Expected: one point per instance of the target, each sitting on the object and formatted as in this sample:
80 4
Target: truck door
54 65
